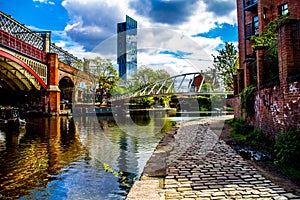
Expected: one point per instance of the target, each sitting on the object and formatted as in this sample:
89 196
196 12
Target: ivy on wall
269 36
247 99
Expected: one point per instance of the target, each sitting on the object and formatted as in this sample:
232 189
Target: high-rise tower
127 48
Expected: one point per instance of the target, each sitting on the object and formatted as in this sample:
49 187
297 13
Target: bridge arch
17 75
66 86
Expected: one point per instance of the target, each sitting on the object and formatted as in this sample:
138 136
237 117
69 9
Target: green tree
106 76
144 77
226 64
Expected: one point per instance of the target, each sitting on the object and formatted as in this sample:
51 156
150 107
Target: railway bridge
32 66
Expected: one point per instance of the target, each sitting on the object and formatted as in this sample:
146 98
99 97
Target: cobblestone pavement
200 166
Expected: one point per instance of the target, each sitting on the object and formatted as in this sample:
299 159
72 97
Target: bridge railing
65 56
18 37
183 84
23 47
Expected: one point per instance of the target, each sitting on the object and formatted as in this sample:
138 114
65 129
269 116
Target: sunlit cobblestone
201 166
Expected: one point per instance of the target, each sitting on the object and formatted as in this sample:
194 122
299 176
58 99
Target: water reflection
63 157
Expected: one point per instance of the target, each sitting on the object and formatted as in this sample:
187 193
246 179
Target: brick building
274 69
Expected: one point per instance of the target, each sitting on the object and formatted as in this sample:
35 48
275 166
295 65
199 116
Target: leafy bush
146 102
257 139
287 149
204 103
240 127
230 121
250 136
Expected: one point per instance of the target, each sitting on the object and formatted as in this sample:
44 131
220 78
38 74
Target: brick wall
234 102
277 109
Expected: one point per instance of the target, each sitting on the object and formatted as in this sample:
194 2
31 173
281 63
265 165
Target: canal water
80 157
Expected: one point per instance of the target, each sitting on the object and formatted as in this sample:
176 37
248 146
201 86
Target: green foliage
241 127
168 126
105 75
226 64
257 139
229 108
250 136
146 102
103 70
230 121
287 149
294 172
164 100
144 77
247 99
207 101
124 180
218 101
206 87
119 90
204 103
269 36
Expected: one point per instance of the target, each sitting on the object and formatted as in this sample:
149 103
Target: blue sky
176 29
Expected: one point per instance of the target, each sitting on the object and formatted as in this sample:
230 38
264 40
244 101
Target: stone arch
66 86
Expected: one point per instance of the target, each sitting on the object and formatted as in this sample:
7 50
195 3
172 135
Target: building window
283 9
255 25
265 13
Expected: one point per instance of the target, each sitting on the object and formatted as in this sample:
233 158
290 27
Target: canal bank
192 162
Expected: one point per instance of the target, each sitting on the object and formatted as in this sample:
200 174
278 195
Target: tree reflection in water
63 157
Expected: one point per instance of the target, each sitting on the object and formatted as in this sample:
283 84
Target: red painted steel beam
21 46
24 65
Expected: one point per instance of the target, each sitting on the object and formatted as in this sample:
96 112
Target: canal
80 157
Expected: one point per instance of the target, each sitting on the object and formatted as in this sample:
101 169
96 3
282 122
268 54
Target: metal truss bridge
188 84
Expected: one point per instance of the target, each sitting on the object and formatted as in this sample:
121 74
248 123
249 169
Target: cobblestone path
200 166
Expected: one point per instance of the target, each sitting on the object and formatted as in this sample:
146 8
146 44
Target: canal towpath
192 162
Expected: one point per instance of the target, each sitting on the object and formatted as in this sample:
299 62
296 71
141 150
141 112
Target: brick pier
191 162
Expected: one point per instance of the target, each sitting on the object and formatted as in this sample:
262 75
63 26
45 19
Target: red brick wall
240 20
277 109
268 7
234 102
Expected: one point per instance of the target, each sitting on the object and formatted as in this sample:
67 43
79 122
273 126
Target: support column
288 71
260 64
247 75
287 66
241 80
53 92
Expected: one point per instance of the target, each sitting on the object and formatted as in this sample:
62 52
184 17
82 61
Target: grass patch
248 135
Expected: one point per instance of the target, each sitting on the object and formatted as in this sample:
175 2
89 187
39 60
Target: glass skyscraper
127 48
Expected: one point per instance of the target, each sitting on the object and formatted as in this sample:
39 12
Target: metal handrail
19 33
22 47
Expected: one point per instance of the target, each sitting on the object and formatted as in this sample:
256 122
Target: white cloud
94 22
45 2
